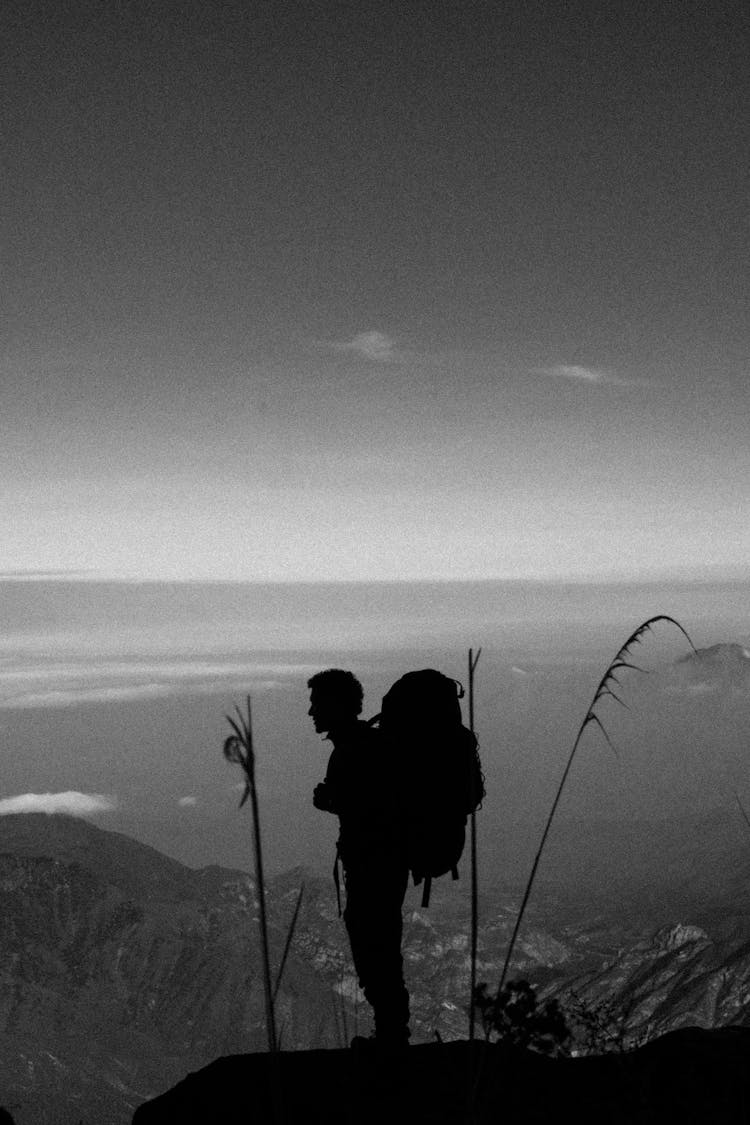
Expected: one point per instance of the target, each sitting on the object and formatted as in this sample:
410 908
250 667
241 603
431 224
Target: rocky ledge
691 1077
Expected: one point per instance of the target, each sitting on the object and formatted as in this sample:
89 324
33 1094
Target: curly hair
340 685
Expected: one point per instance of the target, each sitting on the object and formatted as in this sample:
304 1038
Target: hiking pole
238 749
473 661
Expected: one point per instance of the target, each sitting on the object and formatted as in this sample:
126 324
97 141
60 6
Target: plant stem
603 689
261 889
473 661
288 944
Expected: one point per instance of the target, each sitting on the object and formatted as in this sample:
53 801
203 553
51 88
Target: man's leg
373 917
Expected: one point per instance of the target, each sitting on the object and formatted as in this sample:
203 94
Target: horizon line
732 574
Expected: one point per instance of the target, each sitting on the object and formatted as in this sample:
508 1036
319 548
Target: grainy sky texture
366 291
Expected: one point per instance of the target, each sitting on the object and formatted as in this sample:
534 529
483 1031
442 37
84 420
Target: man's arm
323 798
326 795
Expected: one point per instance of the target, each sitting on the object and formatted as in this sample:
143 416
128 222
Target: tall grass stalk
473 661
337 1026
239 750
604 689
742 808
344 1017
339 1008
288 943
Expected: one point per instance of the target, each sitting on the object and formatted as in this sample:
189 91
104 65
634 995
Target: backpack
435 760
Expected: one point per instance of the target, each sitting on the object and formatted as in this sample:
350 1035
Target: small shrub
516 1016
602 1028
596 1029
563 1026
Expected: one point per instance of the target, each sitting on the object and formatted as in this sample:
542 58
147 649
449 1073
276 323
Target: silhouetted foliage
565 1025
516 1016
598 1028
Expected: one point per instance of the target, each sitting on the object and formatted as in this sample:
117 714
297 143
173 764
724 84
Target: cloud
375 346
577 374
74 697
71 802
26 683
187 802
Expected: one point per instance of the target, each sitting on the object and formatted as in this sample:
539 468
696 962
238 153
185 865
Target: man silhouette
360 788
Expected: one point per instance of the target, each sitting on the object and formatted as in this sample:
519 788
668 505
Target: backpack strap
426 889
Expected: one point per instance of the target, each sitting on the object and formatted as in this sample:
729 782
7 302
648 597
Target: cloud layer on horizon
71 802
27 684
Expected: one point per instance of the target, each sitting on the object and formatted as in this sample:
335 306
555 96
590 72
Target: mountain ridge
123 969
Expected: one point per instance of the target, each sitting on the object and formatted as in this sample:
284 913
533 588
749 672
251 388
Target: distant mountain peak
725 652
679 934
723 665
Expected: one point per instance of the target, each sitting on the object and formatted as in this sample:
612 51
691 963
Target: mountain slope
125 967
122 970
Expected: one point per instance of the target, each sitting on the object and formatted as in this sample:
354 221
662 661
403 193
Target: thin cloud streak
168 671
375 346
77 696
72 698
68 684
72 802
577 374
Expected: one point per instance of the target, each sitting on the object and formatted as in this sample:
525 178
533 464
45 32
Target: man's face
324 711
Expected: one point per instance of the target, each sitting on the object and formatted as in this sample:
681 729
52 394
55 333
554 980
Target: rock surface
689 1077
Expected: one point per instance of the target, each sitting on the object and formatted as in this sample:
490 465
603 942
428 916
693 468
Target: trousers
375 889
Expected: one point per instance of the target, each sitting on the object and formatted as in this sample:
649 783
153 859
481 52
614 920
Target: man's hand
322 798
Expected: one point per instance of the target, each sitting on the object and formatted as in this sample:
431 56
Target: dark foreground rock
690 1076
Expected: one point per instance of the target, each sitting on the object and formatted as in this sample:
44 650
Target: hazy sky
355 290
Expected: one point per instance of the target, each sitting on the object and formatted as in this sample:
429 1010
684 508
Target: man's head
335 698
